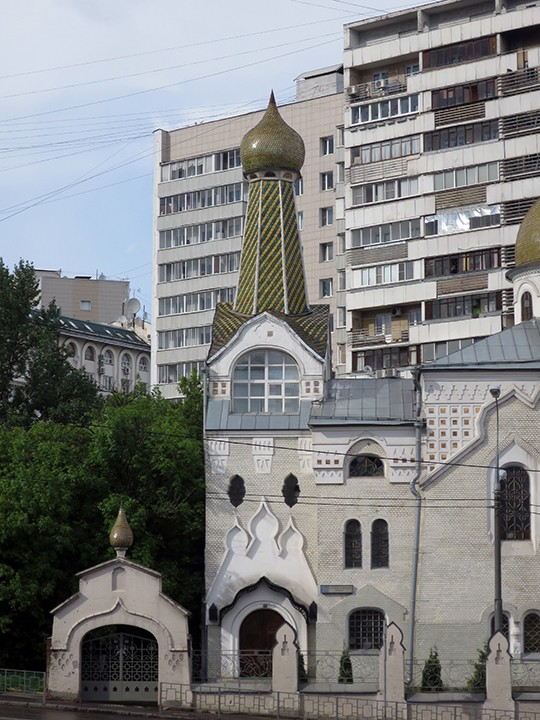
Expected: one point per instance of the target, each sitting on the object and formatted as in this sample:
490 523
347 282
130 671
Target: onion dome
272 144
528 238
121 537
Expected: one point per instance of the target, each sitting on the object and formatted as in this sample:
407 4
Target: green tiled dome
272 144
528 237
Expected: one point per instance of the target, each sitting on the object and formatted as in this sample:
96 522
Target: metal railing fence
30 682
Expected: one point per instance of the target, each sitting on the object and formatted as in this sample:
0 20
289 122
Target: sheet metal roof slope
515 348
220 417
101 331
353 401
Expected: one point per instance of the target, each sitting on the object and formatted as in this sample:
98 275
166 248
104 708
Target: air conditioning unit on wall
380 84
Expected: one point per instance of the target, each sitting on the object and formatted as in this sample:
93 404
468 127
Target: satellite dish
122 320
367 369
133 306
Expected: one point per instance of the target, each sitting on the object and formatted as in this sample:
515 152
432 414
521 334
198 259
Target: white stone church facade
343 505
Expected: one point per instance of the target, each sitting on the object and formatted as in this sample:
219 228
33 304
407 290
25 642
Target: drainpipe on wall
418 424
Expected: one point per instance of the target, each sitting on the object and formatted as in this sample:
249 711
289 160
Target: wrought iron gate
120 667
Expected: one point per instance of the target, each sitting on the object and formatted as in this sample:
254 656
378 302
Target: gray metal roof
220 417
517 347
368 401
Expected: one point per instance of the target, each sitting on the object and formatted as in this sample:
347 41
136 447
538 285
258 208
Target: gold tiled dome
272 144
528 237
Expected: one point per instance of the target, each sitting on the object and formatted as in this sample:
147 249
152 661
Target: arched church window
266 381
353 544
526 306
531 633
366 629
515 510
379 544
366 466
90 354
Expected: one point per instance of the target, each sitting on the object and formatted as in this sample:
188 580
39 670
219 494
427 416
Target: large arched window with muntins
515 507
366 629
526 306
266 381
353 544
366 466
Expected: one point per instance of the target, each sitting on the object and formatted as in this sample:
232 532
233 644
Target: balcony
376 89
360 338
519 81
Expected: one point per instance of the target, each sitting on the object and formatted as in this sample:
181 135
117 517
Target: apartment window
326 216
389 232
462 219
197 199
199 267
108 358
341 316
380 547
460 135
326 252
464 94
90 354
340 171
227 160
342 280
386 150
173 373
460 52
515 514
413 69
353 544
342 247
266 381
386 190
341 354
463 306
194 302
107 383
366 629
385 274
85 305
387 357
300 219
326 288
143 364
340 136
326 180
184 337
444 265
466 176
299 186
384 109
327 145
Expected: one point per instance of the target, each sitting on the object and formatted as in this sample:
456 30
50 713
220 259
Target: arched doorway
119 663
256 641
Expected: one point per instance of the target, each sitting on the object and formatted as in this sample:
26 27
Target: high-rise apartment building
442 135
200 203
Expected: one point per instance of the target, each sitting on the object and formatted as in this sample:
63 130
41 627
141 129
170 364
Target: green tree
477 681
36 379
345 668
432 673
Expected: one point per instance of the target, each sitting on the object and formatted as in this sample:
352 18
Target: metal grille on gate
120 667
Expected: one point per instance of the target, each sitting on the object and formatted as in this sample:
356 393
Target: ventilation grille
462 196
461 113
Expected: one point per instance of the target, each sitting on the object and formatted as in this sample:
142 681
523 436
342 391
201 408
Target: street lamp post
495 392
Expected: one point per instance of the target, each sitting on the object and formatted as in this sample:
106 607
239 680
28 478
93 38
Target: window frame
366 622
257 387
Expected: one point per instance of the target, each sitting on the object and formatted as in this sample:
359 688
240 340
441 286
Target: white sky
84 83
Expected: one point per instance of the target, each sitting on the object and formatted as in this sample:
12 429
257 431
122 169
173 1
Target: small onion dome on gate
121 536
528 238
272 144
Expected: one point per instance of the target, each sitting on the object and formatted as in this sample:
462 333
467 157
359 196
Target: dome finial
121 536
